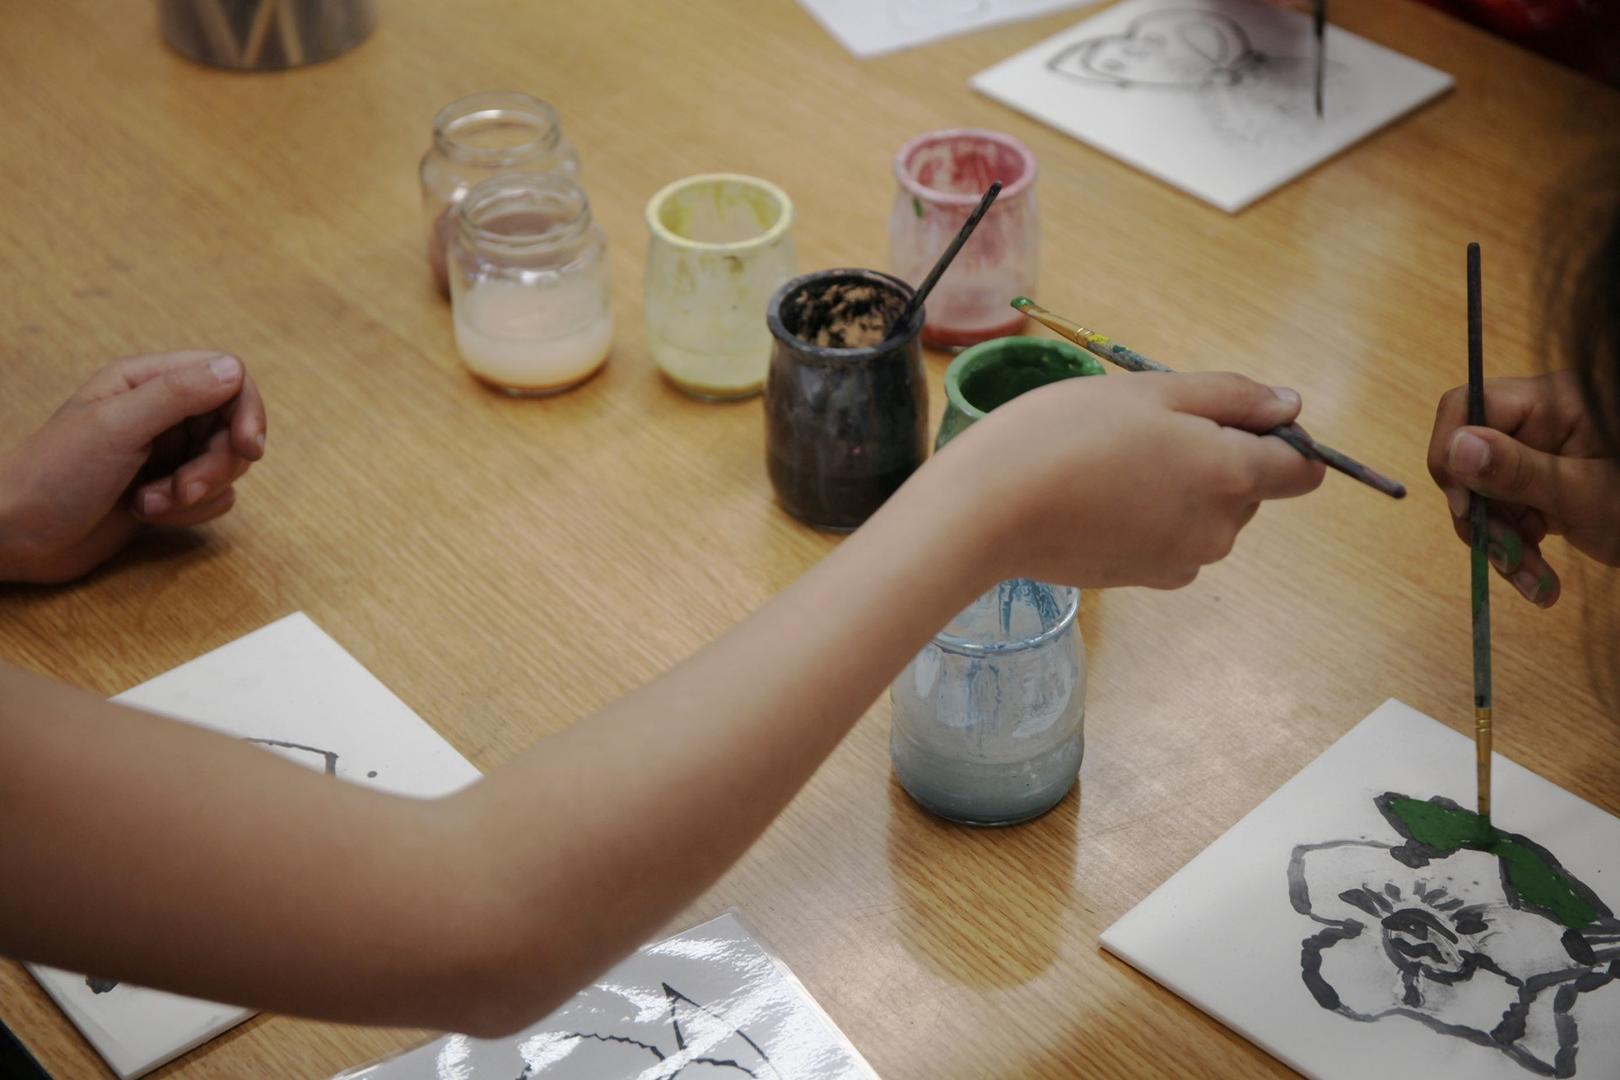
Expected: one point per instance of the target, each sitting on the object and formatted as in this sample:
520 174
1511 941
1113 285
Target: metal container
264 35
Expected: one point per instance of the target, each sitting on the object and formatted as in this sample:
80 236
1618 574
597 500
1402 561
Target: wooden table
507 566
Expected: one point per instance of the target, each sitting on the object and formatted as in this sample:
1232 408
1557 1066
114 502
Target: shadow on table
982 907
153 545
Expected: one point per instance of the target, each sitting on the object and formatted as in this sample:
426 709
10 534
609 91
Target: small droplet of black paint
370 774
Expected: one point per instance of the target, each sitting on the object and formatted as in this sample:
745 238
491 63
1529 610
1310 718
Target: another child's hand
1128 479
155 439
1544 469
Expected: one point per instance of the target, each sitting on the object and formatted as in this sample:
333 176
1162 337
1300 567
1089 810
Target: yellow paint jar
719 245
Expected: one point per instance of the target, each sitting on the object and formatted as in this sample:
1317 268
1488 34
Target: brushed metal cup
264 35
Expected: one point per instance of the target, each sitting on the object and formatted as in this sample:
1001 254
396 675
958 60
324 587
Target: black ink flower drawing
691 1040
1473 932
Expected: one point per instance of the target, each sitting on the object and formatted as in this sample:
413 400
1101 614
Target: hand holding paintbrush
1292 434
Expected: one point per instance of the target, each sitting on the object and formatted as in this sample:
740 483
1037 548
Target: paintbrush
1319 28
1479 539
933 277
1292 434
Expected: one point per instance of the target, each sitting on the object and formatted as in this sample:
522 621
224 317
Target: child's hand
1543 466
1128 480
153 439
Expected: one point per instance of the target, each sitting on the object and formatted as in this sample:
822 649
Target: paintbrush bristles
1099 344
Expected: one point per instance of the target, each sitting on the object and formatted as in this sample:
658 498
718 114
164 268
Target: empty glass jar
473 139
529 284
988 720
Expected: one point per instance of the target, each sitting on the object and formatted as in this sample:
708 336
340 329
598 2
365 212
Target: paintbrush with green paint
1106 347
1479 541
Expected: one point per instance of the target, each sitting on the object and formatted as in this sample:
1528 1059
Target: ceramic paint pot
940 178
846 407
992 374
719 245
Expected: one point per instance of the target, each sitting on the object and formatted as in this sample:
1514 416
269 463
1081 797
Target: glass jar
718 247
942 176
846 400
988 720
529 284
473 139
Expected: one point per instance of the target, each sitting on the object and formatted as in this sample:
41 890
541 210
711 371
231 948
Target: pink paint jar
942 175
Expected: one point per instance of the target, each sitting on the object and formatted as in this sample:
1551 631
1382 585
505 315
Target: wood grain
507 566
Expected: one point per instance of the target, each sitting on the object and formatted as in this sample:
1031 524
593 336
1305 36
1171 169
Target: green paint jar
993 373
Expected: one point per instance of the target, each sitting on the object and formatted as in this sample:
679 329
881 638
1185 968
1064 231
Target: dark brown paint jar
846 406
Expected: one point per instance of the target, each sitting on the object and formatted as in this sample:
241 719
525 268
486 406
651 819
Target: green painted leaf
1533 873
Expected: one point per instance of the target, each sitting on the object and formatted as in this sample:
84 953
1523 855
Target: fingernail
225 368
193 491
1469 455
1537 589
153 502
1458 500
1498 558
1526 583
258 440
1507 544
1287 395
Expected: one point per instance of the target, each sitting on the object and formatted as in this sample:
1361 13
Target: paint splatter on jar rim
1012 188
657 208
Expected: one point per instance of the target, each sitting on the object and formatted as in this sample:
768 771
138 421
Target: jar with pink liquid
477 137
942 176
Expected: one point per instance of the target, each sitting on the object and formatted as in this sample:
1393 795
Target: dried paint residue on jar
529 285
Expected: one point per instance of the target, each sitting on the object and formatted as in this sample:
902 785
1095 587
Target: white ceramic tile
1313 927
872 27
1216 97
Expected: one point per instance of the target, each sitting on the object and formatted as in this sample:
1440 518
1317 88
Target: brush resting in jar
940 177
846 401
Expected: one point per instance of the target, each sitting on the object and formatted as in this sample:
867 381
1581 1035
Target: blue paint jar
988 720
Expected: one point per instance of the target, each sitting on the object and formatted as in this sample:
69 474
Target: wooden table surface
507 566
